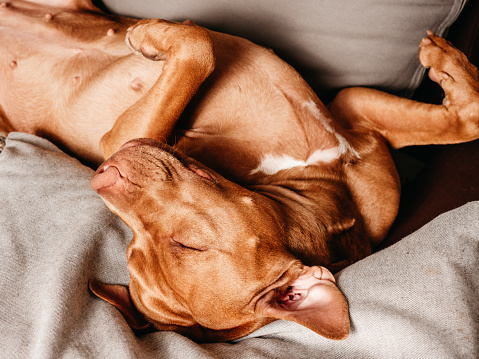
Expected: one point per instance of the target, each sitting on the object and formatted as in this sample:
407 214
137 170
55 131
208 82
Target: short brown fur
252 186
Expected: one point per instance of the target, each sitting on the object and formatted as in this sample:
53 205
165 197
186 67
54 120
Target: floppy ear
312 300
119 297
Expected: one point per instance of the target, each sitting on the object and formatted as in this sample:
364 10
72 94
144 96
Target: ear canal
312 300
119 297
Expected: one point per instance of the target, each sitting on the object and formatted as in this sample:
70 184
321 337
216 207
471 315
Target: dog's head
206 259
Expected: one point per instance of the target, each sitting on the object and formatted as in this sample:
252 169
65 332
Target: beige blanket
416 299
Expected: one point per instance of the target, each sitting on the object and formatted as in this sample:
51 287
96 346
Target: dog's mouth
187 163
113 170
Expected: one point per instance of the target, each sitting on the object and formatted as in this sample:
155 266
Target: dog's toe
444 60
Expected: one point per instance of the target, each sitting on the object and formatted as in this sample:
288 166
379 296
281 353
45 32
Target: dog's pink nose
105 177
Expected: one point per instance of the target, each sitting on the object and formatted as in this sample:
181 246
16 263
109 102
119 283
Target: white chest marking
272 164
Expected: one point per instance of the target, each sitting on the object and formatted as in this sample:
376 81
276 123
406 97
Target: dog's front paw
449 67
158 39
142 39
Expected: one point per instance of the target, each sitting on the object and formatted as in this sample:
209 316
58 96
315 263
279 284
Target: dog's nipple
136 84
4 4
48 16
76 80
110 32
13 65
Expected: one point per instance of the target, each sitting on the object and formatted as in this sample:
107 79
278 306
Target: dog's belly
67 83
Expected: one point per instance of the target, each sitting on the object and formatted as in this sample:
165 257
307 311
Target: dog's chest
249 142
255 117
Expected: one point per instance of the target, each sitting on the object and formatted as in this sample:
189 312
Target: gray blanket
416 299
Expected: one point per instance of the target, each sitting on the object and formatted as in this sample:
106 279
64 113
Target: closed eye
181 245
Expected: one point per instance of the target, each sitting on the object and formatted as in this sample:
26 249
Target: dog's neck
320 222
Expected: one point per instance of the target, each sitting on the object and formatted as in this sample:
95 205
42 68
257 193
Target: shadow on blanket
2 141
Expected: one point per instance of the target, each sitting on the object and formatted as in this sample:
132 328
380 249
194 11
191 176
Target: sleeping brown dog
245 187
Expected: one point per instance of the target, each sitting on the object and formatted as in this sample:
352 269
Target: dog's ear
312 300
119 297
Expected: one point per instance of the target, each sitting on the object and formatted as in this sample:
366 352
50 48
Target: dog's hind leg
403 122
188 51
